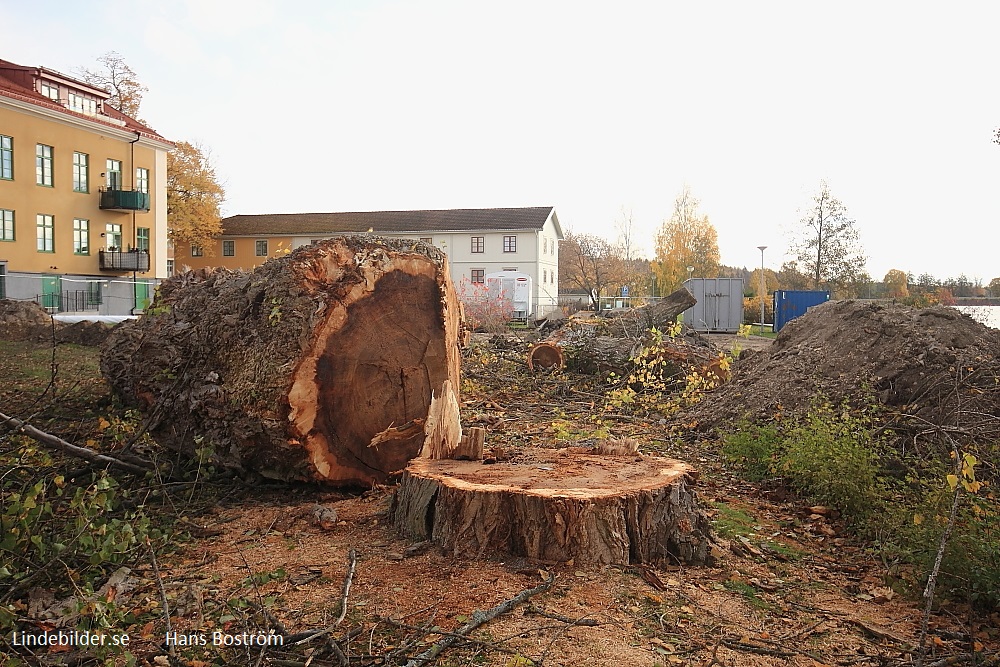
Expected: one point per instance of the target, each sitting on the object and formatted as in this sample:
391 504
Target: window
81 236
427 239
81 172
478 244
545 245
510 244
142 179
478 276
170 268
114 175
3 281
545 276
142 239
43 165
6 224
49 90
81 104
197 251
6 157
46 232
509 268
261 248
229 248
113 236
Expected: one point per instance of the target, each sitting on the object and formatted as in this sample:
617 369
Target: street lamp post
763 290
690 271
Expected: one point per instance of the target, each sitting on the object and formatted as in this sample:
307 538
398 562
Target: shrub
830 456
753 449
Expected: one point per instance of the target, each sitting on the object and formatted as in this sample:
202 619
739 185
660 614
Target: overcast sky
593 108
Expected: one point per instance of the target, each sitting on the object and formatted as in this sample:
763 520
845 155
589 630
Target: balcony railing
124 260
124 200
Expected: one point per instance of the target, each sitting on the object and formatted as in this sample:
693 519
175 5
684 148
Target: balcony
123 260
124 200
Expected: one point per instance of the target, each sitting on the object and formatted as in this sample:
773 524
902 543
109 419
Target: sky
602 110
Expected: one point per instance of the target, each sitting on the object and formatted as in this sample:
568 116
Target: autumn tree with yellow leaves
194 197
686 239
896 284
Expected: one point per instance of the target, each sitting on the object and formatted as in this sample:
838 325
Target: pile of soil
28 321
922 362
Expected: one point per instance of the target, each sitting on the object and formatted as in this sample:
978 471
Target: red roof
10 88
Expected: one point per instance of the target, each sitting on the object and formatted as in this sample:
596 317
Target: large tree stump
338 362
557 506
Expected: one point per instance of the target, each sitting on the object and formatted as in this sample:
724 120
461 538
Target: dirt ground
790 586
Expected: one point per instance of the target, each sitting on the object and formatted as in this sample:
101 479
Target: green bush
834 456
753 449
831 457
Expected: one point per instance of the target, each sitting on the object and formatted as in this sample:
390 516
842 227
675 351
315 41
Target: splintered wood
337 363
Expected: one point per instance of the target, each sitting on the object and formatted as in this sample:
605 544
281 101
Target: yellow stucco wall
244 257
27 199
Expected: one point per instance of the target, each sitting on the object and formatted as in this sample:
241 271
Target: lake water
988 315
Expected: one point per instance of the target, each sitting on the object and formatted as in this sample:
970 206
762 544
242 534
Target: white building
477 241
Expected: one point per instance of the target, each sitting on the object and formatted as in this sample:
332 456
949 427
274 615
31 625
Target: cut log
557 506
659 314
320 365
607 344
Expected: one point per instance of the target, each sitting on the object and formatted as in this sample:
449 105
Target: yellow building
83 198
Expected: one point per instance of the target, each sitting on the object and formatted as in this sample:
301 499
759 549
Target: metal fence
73 301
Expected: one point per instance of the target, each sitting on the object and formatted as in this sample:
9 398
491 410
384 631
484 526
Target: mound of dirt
26 320
22 313
924 362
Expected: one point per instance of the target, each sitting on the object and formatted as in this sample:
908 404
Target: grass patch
748 592
731 521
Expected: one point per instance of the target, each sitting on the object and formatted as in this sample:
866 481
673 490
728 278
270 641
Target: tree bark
608 344
557 506
320 365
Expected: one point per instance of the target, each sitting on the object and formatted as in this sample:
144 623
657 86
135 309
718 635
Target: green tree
789 277
194 197
827 244
687 239
995 288
115 76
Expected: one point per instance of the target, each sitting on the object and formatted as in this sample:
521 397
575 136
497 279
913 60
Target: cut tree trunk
338 362
607 344
557 506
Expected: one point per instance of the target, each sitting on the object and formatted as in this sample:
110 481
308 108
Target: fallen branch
479 618
303 637
352 561
538 611
57 443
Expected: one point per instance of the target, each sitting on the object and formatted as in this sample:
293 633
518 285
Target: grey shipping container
789 304
720 304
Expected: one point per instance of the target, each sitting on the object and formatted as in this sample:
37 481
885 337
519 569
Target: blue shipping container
789 304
